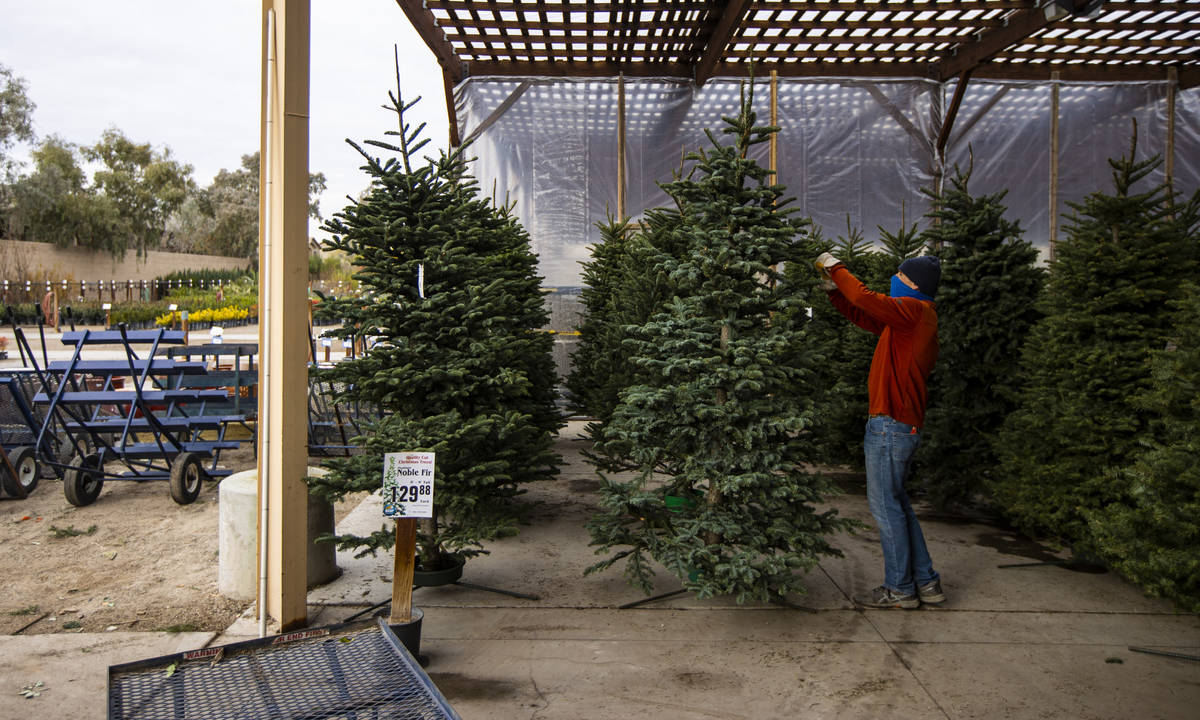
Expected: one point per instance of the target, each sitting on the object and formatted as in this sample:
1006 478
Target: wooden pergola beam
952 112
1020 26
728 22
427 27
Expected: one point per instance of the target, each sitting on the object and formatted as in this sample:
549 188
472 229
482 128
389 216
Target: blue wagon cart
354 671
133 411
20 469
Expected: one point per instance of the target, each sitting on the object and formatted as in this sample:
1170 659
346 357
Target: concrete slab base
73 669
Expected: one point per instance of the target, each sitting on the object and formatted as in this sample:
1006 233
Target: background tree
16 125
714 413
222 219
1107 307
1153 538
986 306
54 203
459 366
16 116
626 286
840 378
144 185
595 378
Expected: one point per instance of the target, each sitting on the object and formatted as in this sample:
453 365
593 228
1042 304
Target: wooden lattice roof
1079 40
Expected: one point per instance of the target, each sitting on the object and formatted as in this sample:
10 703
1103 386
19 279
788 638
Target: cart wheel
24 461
83 481
187 477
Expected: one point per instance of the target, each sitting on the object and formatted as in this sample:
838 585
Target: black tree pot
409 633
446 575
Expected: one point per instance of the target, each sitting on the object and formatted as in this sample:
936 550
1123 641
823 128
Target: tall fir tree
1153 538
598 371
457 365
840 378
1106 308
633 287
730 511
987 303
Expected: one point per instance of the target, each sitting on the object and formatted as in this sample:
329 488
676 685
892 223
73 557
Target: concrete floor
1031 642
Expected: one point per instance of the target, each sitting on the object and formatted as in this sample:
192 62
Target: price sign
408 484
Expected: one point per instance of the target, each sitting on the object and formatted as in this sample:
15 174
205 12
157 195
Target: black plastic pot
443 576
409 633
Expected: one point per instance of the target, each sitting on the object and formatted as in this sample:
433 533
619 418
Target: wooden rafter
427 27
728 18
700 39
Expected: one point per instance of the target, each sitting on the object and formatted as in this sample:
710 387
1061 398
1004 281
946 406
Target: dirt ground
132 560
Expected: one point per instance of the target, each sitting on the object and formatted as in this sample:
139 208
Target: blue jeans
890 446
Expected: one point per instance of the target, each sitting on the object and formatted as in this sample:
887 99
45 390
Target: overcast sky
185 75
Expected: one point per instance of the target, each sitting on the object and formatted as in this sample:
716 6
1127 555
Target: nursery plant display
713 428
987 302
845 351
1151 536
455 361
598 367
1107 305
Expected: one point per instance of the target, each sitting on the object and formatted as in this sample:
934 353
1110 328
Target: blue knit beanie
925 271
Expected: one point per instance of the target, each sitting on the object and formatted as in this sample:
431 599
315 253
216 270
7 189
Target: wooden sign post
407 495
404 563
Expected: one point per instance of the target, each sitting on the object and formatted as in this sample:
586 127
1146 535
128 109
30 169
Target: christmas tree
986 305
456 362
598 370
1106 308
627 284
715 427
845 351
1153 537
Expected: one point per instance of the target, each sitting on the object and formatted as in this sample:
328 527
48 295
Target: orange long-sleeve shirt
907 347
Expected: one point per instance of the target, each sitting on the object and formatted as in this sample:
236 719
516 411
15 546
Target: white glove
826 262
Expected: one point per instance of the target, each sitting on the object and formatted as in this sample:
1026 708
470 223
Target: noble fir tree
716 431
1152 537
1106 308
986 306
456 363
627 285
839 380
598 371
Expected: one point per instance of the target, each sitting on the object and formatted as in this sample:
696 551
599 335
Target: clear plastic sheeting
1001 136
851 151
857 153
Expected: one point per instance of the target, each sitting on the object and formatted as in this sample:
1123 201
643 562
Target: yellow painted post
621 197
283 264
1054 102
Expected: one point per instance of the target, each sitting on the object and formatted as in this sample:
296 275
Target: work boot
931 593
885 597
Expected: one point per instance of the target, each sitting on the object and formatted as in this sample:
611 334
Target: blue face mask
900 290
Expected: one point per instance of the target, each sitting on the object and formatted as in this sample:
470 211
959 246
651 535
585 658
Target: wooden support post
773 158
283 263
1054 83
403 565
1169 152
622 210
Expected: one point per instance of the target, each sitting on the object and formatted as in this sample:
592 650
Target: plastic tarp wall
854 152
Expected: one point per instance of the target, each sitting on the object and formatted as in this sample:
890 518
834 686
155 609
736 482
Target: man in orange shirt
906 323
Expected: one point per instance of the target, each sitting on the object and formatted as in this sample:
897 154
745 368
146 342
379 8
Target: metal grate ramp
356 671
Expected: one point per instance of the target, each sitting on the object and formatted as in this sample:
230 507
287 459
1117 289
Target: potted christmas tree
713 420
1127 257
987 302
454 359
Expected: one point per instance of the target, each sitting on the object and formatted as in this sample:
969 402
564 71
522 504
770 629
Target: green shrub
1153 537
1107 307
986 306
